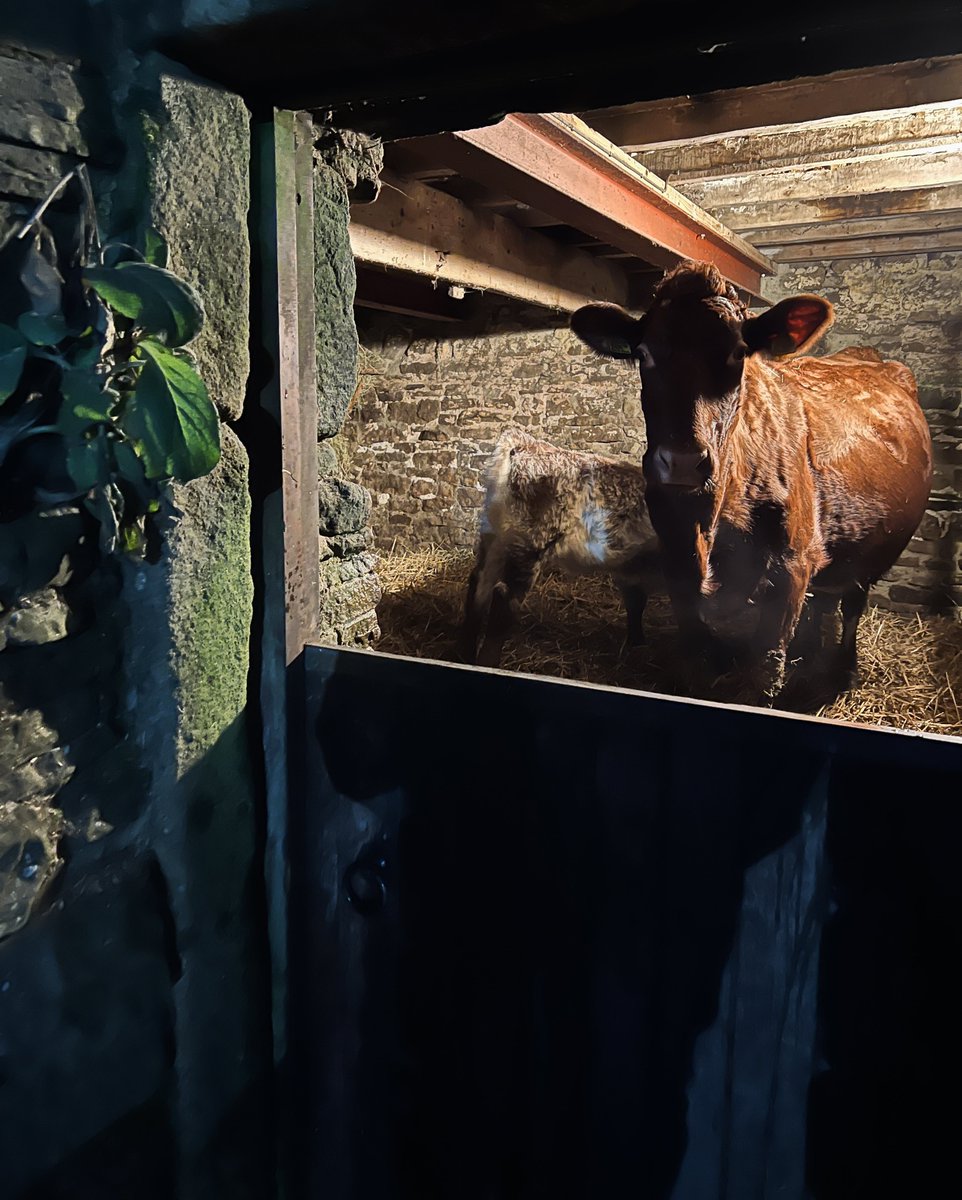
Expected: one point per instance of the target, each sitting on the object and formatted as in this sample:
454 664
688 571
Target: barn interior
480 244
290 918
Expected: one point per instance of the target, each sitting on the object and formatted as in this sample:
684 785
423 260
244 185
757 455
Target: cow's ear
607 329
791 326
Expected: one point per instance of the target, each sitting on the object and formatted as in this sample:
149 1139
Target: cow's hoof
846 679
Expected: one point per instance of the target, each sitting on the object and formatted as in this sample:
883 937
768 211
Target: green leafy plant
100 402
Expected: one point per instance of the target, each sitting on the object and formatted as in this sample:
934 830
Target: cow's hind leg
516 577
853 606
475 605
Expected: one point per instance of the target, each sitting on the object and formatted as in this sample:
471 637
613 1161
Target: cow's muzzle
689 469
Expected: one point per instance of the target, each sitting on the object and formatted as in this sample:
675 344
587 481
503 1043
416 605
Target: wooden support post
288 535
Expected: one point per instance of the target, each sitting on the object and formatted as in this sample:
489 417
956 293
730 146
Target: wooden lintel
555 163
421 230
810 98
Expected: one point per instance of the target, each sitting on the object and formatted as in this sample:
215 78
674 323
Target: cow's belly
864 533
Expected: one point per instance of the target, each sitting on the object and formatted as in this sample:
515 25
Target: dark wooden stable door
563 941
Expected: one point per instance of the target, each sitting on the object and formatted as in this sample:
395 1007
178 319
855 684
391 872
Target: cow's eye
643 354
738 354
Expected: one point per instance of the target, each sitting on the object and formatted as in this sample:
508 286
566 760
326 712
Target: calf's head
691 347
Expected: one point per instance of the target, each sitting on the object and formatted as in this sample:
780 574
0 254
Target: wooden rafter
415 228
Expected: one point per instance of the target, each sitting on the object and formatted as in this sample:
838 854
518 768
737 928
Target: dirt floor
911 667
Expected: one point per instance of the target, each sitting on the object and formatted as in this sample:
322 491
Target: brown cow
768 475
546 506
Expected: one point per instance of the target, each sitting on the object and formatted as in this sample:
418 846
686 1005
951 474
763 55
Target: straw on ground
911 667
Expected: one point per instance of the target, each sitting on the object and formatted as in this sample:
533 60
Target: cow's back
871 455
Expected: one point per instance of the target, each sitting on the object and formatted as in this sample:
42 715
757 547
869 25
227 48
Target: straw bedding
911 667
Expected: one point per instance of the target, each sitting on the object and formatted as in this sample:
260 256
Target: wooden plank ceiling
540 208
851 165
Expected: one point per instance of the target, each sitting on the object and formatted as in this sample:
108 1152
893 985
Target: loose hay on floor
911 667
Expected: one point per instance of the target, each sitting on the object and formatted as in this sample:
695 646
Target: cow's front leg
780 612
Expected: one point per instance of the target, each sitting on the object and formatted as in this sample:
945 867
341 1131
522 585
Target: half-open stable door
554 940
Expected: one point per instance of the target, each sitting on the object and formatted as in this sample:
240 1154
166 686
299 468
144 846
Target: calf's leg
516 577
635 599
476 605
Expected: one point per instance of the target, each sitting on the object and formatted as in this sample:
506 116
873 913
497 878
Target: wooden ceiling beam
871 247
762 218
421 230
906 132
808 98
854 176
867 227
558 165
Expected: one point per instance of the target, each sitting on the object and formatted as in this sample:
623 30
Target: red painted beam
556 163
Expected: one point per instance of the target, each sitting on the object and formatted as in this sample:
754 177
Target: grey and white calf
582 513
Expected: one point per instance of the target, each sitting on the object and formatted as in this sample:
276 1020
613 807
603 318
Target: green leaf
132 537
88 463
114 253
32 549
131 470
39 275
42 330
155 248
151 297
13 353
170 418
107 505
86 401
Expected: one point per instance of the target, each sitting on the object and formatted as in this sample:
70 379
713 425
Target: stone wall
135 1049
908 307
433 398
346 171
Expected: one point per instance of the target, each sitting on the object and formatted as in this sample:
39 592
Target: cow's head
691 347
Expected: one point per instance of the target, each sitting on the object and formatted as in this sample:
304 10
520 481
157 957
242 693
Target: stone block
88 1031
327 461
199 181
343 507
38 619
356 157
362 632
345 602
29 859
334 285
